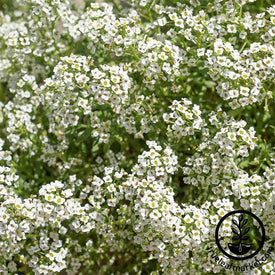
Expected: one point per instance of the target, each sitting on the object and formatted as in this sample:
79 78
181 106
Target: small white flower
187 219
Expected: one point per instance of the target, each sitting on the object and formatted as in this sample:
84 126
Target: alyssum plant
128 129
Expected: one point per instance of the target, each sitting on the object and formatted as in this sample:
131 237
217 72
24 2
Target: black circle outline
217 233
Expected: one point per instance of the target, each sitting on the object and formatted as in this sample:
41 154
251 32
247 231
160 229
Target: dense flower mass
128 129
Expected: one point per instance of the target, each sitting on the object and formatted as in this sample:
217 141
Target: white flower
105 82
59 200
155 214
231 28
187 219
231 136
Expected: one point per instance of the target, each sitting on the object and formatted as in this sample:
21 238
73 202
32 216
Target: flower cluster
183 120
71 95
215 159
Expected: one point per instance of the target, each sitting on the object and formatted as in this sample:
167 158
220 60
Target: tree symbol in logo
239 247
